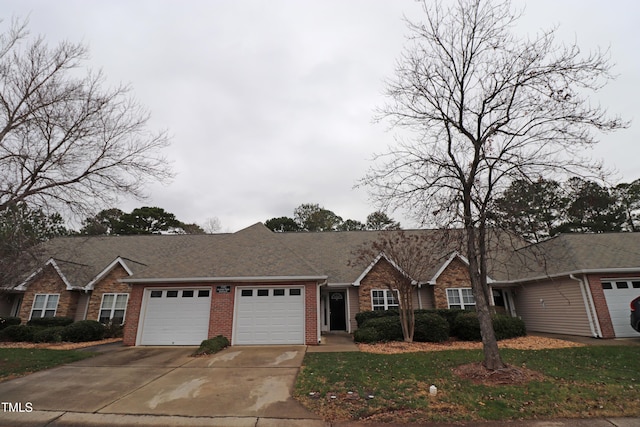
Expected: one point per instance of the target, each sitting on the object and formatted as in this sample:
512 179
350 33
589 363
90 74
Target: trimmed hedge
448 314
388 328
19 333
9 321
366 335
364 316
212 345
433 326
430 327
84 330
467 327
508 327
48 322
52 334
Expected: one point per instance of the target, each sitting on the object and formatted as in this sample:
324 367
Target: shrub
8 321
364 316
52 334
366 335
50 321
212 345
430 327
508 327
19 333
449 314
84 330
113 330
388 328
467 327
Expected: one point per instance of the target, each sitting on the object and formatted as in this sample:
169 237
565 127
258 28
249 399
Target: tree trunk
407 318
492 359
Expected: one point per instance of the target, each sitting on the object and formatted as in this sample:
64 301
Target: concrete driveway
239 384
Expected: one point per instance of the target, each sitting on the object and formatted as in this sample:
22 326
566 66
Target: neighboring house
576 284
259 287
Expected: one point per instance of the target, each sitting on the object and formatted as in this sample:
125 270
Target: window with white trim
461 298
44 305
113 308
383 299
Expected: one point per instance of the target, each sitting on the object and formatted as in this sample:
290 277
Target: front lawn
15 362
578 383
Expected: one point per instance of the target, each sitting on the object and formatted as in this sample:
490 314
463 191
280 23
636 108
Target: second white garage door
176 316
619 294
269 316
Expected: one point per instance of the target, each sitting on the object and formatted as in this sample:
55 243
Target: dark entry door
337 311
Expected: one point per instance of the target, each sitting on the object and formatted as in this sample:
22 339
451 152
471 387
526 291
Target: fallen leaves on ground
520 343
58 345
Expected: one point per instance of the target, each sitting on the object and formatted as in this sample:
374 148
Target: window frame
44 309
461 303
385 305
113 308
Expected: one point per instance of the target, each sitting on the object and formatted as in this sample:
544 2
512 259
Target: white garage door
176 316
269 316
619 294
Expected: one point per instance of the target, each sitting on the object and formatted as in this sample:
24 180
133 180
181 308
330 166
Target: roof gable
55 265
115 263
370 267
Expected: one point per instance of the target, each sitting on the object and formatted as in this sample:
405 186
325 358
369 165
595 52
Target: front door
337 311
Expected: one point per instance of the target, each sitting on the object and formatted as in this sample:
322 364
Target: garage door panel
176 317
618 294
269 316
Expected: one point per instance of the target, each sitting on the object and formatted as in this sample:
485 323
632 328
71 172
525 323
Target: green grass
578 383
15 362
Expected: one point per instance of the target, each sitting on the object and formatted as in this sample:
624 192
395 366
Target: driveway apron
237 382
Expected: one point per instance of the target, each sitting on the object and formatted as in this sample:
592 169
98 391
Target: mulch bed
521 343
58 345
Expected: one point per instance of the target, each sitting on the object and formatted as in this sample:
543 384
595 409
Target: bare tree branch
65 141
483 108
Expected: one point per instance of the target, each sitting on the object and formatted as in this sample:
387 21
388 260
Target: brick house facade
81 271
49 282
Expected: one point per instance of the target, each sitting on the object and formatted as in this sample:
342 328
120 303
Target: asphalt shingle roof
256 252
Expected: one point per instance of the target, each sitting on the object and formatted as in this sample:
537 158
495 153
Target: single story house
259 287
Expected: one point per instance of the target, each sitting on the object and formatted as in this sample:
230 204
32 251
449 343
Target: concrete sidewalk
77 419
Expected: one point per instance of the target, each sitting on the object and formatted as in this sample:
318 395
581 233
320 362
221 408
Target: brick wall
311 313
221 316
133 315
49 282
379 277
109 284
456 275
600 302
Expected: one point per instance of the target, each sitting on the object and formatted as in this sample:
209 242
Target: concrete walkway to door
334 342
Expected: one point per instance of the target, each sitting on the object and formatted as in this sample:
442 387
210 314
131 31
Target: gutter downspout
594 324
419 297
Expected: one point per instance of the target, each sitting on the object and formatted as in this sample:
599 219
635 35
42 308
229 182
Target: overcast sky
270 103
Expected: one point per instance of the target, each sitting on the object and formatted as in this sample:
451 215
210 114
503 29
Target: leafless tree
212 225
484 107
66 142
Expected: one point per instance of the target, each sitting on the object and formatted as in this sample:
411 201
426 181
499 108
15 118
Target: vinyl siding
553 307
83 303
